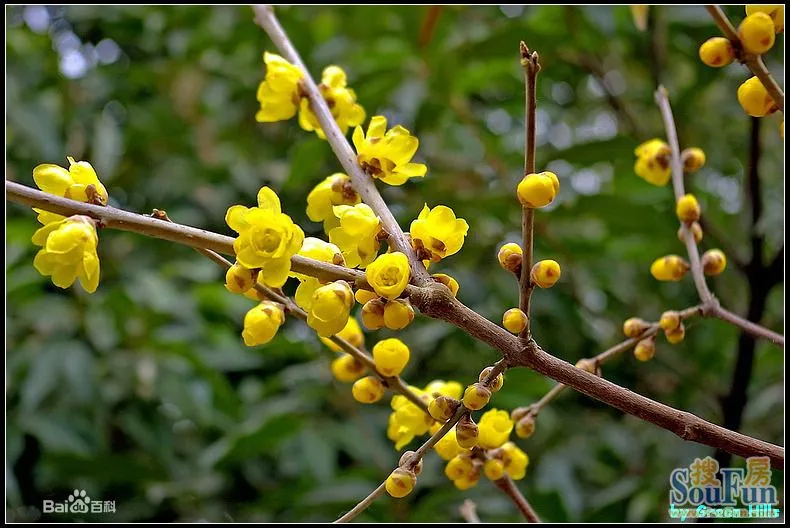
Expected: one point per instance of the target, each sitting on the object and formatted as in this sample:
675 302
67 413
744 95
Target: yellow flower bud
466 432
545 273
675 335
514 320
460 466
476 396
519 412
373 314
757 33
713 261
494 469
516 461
389 274
652 162
669 268
239 279
693 159
669 320
400 483
494 429
645 349
688 209
346 368
367 390
448 281
351 333
696 231
329 311
538 190
496 383
398 314
510 257
464 483
635 326
262 322
443 408
717 52
754 98
391 356
525 426
776 12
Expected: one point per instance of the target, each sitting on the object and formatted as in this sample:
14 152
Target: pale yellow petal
52 179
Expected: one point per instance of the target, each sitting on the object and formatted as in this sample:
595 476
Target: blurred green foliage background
144 393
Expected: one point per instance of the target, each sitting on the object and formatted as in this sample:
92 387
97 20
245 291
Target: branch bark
753 62
507 485
436 301
362 183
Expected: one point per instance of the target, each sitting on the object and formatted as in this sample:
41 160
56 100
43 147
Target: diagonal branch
362 183
753 62
435 301
507 485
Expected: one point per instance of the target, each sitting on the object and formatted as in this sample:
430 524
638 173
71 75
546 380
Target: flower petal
52 179
268 200
377 127
274 273
235 218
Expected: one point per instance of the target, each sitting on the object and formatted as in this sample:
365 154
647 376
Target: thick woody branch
436 301
753 62
362 183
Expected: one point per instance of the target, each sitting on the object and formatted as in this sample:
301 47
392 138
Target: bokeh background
144 393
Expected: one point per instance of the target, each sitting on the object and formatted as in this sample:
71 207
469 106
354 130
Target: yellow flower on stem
74 183
342 102
329 310
69 252
516 461
389 274
320 250
437 233
267 238
279 92
334 190
386 154
652 163
494 429
262 322
357 235
351 333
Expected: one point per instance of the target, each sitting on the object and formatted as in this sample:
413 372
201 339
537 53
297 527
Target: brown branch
753 62
748 326
435 301
507 485
662 99
362 183
363 504
530 62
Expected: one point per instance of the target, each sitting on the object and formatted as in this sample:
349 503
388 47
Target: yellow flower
389 274
72 183
262 322
514 320
278 93
775 11
407 420
652 162
669 268
357 235
538 190
351 333
495 427
334 190
342 102
317 249
448 447
347 369
69 252
267 238
494 469
398 314
400 483
329 310
451 389
448 281
386 154
438 232
755 99
516 461
239 279
390 356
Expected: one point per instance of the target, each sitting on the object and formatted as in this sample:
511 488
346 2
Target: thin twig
507 485
531 64
753 62
662 99
362 183
418 455
468 511
748 326
434 301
